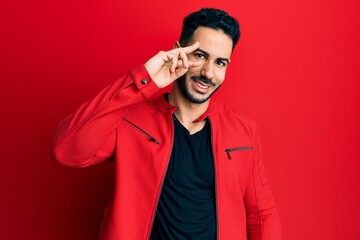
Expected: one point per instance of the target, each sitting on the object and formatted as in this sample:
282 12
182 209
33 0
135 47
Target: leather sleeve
88 136
262 217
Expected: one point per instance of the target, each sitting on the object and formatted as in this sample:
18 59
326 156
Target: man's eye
199 55
221 63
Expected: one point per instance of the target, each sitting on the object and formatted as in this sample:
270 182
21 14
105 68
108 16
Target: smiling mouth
201 85
202 82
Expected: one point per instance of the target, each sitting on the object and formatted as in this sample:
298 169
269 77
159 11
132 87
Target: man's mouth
202 81
201 85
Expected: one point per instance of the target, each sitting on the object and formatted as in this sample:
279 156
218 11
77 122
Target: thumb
179 72
194 64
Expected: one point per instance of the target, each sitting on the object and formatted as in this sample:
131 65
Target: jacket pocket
231 150
151 138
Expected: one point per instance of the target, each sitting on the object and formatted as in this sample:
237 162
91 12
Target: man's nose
208 70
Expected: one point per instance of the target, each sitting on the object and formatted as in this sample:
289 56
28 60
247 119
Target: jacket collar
165 107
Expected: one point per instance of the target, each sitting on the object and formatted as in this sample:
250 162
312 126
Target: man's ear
177 44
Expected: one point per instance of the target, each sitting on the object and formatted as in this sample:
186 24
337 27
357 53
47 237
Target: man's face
199 83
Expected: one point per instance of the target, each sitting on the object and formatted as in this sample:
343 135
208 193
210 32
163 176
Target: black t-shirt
187 207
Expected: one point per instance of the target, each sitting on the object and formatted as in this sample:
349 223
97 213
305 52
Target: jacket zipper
141 130
216 194
162 181
229 150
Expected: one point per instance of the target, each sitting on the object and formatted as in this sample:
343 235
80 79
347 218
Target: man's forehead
213 42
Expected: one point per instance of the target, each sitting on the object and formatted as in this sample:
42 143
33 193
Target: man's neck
187 111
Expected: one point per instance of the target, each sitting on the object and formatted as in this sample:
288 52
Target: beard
186 92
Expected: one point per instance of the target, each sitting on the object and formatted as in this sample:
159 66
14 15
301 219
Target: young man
186 167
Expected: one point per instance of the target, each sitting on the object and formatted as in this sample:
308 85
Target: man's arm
88 136
262 217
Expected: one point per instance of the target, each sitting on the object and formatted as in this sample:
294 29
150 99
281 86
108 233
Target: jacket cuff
143 82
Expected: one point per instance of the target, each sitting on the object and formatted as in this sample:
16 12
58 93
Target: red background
296 72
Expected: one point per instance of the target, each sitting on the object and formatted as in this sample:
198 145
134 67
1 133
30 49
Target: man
186 167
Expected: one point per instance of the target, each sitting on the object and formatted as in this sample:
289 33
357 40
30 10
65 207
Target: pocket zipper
229 150
151 138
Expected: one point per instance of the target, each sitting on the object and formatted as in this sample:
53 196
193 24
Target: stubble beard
187 94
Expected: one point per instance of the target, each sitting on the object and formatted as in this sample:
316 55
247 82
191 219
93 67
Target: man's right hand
166 67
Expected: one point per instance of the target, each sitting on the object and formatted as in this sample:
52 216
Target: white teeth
201 86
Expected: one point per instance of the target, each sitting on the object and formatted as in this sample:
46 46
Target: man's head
211 18
217 32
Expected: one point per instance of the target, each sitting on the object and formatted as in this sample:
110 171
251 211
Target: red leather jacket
122 122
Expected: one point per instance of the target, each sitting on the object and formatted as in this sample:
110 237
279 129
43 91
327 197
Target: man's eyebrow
224 59
207 54
202 51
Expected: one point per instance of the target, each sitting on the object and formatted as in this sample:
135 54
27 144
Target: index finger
191 48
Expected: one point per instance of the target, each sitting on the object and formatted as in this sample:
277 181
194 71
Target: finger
184 59
180 64
168 56
194 64
179 72
174 63
191 48
171 59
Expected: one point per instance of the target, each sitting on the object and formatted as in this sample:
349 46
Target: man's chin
199 101
200 97
197 98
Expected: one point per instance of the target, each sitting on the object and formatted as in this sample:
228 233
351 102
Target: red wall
296 72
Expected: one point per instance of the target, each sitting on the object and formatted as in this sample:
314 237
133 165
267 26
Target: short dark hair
212 18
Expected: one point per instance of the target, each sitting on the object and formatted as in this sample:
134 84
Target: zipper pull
237 149
228 153
153 140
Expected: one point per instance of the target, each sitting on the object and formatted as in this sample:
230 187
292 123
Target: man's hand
166 67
